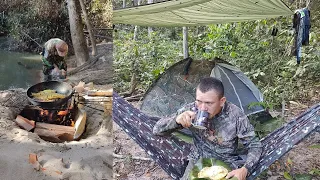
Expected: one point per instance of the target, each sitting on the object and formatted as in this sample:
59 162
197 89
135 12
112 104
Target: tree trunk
86 18
133 82
76 29
124 4
185 43
150 28
136 2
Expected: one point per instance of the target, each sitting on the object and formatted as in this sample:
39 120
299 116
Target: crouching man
53 59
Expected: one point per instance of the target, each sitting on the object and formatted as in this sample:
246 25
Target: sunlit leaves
151 56
286 175
266 59
317 146
315 172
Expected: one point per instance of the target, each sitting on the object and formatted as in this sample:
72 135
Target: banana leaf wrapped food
210 169
213 172
48 95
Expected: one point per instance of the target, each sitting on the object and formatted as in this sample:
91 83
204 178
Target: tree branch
131 157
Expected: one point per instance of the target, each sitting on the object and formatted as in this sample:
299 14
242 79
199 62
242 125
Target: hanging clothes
307 26
302 25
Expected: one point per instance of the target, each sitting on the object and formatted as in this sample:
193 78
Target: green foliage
287 175
315 172
41 20
146 57
303 177
266 127
264 58
100 13
265 105
317 146
290 175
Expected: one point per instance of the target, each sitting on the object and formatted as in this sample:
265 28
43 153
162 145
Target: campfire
54 122
60 116
63 119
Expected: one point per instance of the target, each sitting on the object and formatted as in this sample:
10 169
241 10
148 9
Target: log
54 133
86 65
107 93
87 98
54 127
80 124
137 97
108 108
25 123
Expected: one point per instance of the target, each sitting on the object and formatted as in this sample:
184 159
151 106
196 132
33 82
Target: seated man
53 59
227 125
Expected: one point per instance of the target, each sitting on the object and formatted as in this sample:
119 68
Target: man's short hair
211 83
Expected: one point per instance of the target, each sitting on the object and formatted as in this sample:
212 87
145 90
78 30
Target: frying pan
60 87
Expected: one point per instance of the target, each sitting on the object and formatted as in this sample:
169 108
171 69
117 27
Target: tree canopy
249 45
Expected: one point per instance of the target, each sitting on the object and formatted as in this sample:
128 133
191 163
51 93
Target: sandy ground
86 159
303 157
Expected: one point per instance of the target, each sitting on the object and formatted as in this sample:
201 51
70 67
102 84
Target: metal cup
201 120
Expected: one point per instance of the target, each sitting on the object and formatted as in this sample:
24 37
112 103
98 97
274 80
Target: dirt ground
303 158
100 73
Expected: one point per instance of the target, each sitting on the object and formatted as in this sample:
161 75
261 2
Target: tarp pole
185 43
150 28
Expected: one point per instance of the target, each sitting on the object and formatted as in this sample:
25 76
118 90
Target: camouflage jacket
220 139
50 60
50 57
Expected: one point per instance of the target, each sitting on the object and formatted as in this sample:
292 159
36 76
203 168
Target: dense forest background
21 21
265 59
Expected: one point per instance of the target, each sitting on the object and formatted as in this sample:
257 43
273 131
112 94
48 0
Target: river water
19 70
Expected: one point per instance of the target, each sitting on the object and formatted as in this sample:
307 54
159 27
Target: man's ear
222 101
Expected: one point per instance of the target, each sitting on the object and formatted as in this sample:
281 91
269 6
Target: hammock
171 153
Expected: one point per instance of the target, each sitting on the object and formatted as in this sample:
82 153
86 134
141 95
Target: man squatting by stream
53 59
227 125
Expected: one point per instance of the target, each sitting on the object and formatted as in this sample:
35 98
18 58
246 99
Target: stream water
19 70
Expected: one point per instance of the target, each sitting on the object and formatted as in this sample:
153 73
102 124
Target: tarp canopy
200 12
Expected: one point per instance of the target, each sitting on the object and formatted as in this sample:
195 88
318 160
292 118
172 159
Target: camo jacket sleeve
168 124
247 137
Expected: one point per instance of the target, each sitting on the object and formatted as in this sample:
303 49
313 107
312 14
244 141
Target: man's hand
186 118
63 73
240 173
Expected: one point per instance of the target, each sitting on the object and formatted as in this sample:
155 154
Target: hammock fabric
171 153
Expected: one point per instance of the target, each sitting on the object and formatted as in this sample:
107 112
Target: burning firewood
63 113
25 123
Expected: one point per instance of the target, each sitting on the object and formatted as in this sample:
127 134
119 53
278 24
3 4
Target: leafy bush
264 58
41 21
147 57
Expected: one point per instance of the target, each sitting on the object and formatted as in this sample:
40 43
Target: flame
63 113
56 116
72 123
44 113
